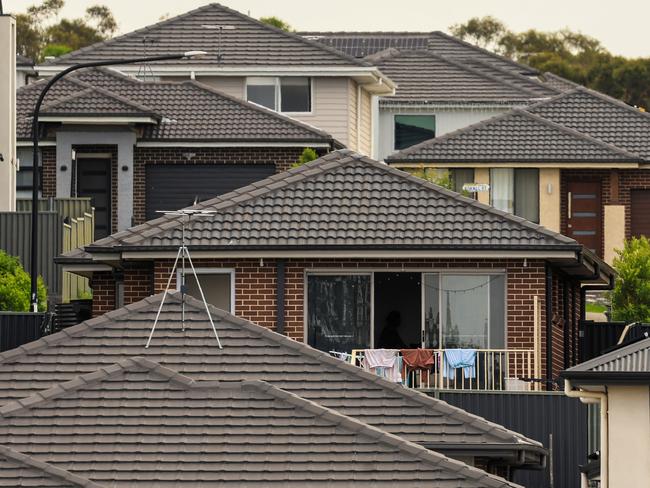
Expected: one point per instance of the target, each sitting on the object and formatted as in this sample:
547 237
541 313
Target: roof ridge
259 108
92 378
47 468
380 435
483 50
447 409
515 75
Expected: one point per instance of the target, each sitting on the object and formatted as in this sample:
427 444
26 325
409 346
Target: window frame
397 114
371 272
215 271
30 168
277 83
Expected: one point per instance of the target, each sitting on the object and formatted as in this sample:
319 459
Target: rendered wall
7 113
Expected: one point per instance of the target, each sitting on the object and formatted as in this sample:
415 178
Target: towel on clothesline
460 358
383 362
418 358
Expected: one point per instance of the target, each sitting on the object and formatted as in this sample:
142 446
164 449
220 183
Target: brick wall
281 157
255 292
104 292
48 155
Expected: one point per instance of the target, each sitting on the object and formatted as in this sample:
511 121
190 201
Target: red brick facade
255 292
48 156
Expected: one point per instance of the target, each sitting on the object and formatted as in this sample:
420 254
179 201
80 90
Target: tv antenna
142 70
182 254
219 28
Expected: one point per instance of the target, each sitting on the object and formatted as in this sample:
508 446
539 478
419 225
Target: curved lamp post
35 135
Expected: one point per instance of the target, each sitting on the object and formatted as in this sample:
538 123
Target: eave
495 163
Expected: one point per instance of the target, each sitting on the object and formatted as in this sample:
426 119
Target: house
250 60
24 70
325 253
136 147
104 381
619 383
443 83
576 163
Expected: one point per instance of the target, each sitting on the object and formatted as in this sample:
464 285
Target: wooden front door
584 214
94 181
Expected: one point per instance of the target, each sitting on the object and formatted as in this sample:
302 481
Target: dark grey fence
18 328
599 337
15 239
558 422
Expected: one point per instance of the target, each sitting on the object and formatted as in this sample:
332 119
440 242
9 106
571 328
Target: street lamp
35 134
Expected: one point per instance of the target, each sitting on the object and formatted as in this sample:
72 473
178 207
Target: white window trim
371 272
278 93
435 127
205 270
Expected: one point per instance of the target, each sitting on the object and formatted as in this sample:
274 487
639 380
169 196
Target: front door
640 213
584 214
94 181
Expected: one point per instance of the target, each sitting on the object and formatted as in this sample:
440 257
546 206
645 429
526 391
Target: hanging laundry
383 362
418 360
460 358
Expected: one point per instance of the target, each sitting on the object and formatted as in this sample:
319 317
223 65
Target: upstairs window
282 94
516 191
25 173
413 129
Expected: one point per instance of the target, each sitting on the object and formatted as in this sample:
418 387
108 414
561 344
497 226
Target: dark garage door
640 213
170 187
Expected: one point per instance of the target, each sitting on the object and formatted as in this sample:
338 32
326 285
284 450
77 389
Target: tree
308 154
277 22
40 33
631 295
569 54
15 286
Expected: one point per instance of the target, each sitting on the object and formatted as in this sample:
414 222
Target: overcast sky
622 25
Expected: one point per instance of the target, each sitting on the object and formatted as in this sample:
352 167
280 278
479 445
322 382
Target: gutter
518 452
601 398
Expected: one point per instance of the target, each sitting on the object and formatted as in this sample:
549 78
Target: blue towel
460 358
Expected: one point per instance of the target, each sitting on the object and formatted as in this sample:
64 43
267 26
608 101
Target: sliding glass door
338 312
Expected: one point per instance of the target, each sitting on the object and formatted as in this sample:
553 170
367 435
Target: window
217 286
464 310
25 174
413 129
338 312
516 191
285 94
461 176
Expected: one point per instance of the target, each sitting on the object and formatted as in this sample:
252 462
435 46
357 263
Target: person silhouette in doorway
390 337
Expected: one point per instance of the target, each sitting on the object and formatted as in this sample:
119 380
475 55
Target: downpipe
601 398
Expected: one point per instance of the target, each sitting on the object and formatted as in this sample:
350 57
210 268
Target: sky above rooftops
620 26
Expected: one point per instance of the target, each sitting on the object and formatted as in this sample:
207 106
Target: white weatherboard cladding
447 120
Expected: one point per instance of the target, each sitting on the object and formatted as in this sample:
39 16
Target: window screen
216 288
413 129
295 94
338 312
460 176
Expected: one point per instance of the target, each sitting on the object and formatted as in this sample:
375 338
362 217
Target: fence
598 337
76 233
490 369
558 422
18 328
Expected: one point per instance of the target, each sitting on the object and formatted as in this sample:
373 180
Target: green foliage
84 295
631 295
436 176
15 286
308 154
41 33
572 55
277 22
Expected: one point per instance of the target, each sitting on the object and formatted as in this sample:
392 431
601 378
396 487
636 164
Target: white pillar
8 161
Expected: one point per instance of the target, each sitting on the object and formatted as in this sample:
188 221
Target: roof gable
423 76
229 37
244 432
342 201
517 136
601 117
250 352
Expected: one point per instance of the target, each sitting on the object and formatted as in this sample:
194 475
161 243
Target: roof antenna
219 28
182 254
142 70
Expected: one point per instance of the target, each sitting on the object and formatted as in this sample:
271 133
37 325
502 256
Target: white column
8 160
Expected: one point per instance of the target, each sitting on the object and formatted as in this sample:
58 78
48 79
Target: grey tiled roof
188 110
137 423
600 116
557 82
250 352
343 201
18 469
242 41
23 60
516 136
536 85
633 358
422 77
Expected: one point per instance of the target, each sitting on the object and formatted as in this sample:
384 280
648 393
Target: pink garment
383 362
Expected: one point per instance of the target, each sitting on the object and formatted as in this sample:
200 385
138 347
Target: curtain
502 189
527 194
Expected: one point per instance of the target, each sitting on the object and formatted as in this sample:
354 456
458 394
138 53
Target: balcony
491 370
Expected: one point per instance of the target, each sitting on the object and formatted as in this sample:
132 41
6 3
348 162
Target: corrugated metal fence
599 337
18 328
558 422
15 239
